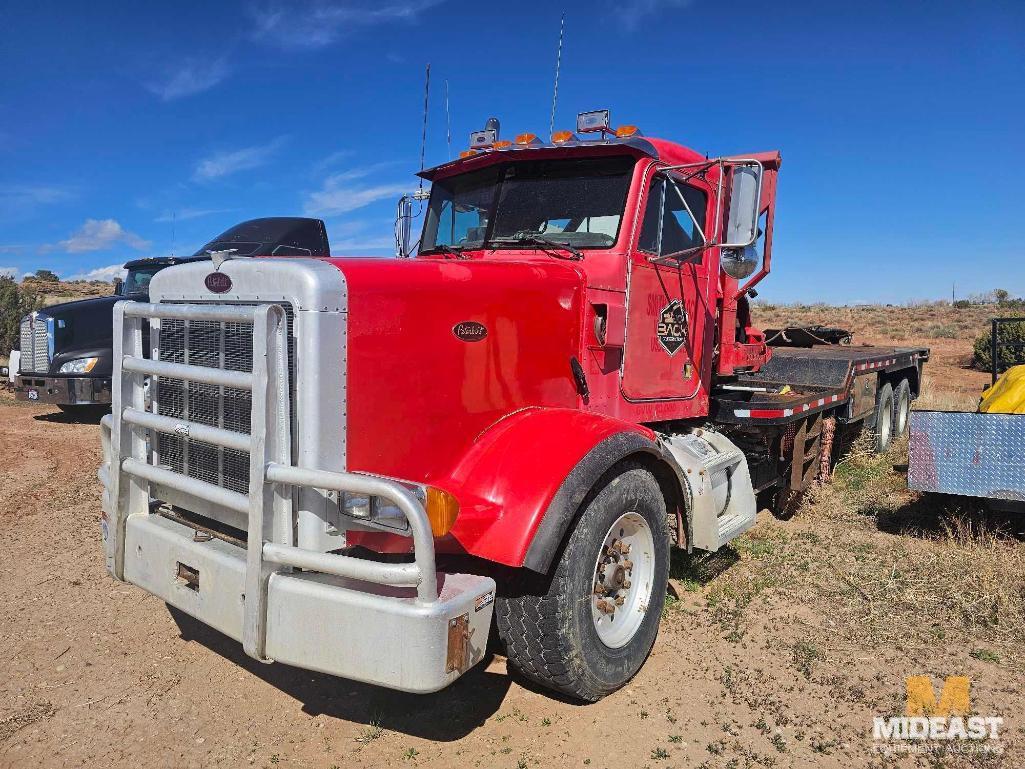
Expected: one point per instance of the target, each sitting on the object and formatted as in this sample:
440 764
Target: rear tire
570 631
901 408
883 432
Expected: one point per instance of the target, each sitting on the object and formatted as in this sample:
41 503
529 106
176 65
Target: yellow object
442 509
1007 396
786 389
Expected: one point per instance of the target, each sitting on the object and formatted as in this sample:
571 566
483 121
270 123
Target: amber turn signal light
442 509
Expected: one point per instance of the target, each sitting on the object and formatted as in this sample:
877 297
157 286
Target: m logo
954 699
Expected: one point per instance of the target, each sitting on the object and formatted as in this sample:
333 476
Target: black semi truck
66 350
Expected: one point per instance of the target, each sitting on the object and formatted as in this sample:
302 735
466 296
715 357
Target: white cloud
194 75
184 214
321 23
226 163
632 12
339 195
97 235
17 200
9 272
107 273
11 249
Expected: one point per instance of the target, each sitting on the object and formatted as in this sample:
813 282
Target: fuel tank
441 349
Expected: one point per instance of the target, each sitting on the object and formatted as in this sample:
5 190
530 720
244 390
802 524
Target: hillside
57 291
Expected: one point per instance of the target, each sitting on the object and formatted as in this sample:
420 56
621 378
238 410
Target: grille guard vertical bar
270 405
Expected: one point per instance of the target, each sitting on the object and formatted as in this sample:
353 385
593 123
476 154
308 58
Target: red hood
418 396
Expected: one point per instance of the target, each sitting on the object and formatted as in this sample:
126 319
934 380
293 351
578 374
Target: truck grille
35 344
217 345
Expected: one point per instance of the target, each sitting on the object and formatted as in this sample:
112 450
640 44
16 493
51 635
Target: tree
1001 295
15 303
47 275
1011 333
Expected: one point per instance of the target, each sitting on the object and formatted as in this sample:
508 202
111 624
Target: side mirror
745 198
404 221
119 284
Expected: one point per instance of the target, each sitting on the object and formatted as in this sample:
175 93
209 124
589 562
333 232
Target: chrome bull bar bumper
385 623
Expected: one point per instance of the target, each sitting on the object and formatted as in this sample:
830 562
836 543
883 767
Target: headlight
442 509
78 366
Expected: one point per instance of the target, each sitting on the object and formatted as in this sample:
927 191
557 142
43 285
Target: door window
671 217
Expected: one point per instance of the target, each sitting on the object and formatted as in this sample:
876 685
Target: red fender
523 479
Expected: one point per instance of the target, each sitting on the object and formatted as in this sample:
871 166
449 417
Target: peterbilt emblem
470 331
182 430
672 326
218 282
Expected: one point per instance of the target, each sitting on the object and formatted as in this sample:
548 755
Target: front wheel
587 629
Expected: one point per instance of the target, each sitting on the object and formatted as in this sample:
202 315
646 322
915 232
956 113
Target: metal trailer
804 404
973 454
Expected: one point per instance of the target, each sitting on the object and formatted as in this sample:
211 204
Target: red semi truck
363 466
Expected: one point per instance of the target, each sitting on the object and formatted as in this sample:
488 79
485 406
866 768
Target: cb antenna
558 65
423 137
448 123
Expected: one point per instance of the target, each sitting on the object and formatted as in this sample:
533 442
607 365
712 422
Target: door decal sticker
672 326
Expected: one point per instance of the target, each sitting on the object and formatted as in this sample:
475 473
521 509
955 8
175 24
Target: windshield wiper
531 239
456 251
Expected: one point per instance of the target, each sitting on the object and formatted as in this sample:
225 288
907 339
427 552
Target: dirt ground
778 651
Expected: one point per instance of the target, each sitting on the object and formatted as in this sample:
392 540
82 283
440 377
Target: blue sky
902 124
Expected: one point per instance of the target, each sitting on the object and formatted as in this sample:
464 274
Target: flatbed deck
796 382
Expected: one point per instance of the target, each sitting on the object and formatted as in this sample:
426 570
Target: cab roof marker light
501 145
468 153
626 131
561 137
527 139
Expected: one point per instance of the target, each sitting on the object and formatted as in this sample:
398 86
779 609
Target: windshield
578 203
137 281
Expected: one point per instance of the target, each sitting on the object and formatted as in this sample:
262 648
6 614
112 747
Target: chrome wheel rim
885 420
624 572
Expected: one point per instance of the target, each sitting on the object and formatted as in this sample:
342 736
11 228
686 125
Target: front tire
587 629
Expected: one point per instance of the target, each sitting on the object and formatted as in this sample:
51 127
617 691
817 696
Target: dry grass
884 566
873 323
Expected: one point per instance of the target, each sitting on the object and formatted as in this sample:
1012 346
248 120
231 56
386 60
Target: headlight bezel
378 513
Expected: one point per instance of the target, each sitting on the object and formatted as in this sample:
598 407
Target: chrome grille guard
127 471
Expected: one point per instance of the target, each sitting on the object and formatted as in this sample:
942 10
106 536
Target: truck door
668 313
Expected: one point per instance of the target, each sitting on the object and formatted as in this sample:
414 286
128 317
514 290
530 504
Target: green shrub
15 303
1013 333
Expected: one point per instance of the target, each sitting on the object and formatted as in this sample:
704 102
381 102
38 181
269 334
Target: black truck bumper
62 391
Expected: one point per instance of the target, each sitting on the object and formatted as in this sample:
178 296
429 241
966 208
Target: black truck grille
217 345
